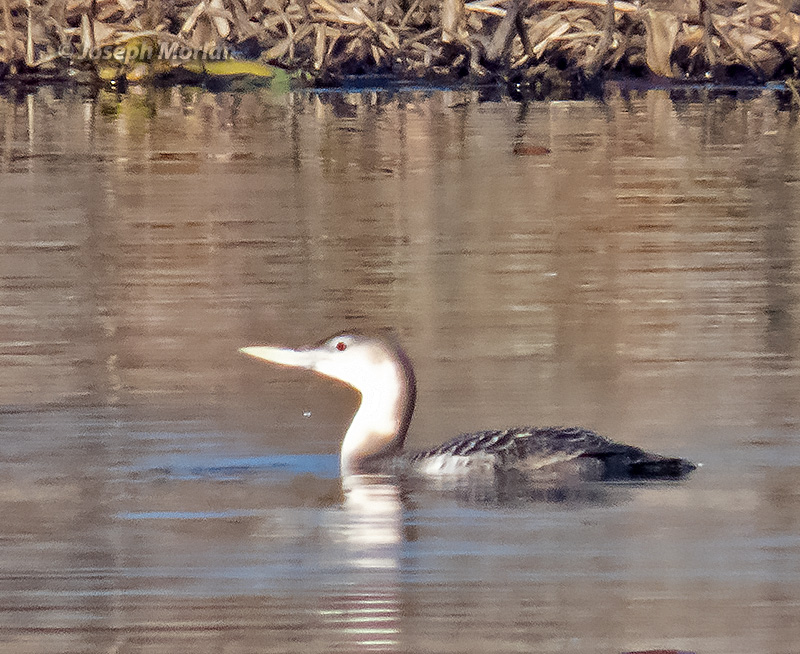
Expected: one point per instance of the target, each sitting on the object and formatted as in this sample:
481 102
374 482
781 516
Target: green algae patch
238 68
242 74
231 72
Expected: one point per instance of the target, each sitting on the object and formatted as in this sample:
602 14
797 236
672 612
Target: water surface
161 493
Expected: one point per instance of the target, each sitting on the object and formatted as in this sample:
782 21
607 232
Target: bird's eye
341 346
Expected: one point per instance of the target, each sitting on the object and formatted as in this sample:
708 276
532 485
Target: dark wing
543 446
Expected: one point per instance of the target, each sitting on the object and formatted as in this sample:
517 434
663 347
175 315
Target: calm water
160 493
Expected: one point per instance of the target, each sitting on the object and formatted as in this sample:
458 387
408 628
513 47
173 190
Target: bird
380 370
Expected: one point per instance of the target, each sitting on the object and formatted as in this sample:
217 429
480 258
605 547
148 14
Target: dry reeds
423 38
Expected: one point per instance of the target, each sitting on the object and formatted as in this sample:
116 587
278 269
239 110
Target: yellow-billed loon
380 370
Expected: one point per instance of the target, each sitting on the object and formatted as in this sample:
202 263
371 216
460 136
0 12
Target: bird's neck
378 429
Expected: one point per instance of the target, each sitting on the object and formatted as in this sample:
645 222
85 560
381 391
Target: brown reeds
448 39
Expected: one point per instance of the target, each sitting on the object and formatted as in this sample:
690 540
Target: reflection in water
368 614
636 276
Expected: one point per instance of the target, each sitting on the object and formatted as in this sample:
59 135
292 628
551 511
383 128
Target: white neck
378 427
377 369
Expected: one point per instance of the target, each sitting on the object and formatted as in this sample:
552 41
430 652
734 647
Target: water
161 493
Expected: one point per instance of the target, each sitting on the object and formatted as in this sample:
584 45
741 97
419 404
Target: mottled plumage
539 447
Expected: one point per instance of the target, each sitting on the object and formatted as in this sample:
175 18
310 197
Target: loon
382 373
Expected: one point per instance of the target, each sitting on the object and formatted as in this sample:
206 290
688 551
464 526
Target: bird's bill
283 356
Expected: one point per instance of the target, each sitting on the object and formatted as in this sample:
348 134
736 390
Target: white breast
449 464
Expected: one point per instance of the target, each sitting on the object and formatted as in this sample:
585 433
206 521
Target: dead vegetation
533 42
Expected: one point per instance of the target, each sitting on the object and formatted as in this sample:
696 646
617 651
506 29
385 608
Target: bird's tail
661 468
638 464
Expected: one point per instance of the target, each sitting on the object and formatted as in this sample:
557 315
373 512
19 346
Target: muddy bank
538 46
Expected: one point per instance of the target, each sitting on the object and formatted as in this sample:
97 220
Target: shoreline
372 87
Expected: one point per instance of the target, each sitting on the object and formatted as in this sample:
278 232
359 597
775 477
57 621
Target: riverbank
536 46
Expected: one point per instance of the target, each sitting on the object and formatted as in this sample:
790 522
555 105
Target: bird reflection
513 488
373 524
374 509
367 615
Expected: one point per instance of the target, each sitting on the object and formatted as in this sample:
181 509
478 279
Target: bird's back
544 448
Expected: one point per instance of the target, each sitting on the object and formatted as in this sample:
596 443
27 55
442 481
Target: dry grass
422 38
